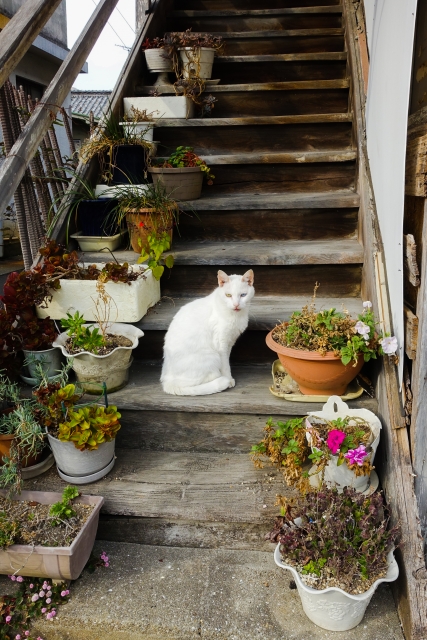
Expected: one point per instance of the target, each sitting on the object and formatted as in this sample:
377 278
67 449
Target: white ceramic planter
56 563
161 106
157 61
334 609
50 360
97 243
198 63
106 191
81 465
142 129
113 369
132 301
342 476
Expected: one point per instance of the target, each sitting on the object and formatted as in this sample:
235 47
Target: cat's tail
205 389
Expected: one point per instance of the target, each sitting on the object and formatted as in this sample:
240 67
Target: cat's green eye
228 295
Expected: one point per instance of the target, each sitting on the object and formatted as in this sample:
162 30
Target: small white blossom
367 304
362 328
389 345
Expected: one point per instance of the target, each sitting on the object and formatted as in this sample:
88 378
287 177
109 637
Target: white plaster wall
391 49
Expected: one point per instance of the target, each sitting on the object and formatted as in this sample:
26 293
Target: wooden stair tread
251 394
255 120
289 85
265 311
338 199
226 13
281 33
284 57
281 158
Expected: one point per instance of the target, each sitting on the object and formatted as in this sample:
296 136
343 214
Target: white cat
201 335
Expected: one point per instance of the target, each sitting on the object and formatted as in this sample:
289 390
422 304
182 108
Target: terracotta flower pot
5 444
141 223
315 374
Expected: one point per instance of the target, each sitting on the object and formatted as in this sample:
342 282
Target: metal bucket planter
197 62
157 61
334 609
82 467
56 563
342 476
50 360
113 369
184 183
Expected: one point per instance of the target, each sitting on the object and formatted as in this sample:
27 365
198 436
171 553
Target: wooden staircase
284 202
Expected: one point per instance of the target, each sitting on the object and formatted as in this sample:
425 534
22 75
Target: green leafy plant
88 427
157 245
63 510
335 331
185 157
336 539
82 338
9 530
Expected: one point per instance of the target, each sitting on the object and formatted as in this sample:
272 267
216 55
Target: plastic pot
129 164
183 183
56 563
113 369
197 62
341 476
140 224
92 216
144 130
334 609
158 61
315 374
82 464
50 360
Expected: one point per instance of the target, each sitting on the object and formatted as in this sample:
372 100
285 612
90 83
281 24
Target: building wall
55 30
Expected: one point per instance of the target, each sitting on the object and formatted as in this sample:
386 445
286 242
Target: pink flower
335 440
48 600
31 586
13 578
49 593
356 456
18 637
19 579
42 594
44 610
35 597
8 619
64 593
107 564
53 613
27 633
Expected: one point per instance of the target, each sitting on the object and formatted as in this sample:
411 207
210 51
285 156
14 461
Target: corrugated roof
83 102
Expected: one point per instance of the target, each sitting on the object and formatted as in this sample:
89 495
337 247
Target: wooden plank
255 121
20 32
416 167
230 202
190 13
411 265
411 333
24 149
284 57
283 33
265 311
281 158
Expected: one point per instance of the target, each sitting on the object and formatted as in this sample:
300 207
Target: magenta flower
31 586
356 456
335 440
13 578
64 593
8 619
44 610
18 637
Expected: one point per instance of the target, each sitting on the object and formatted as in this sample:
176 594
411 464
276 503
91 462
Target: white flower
367 304
362 328
389 344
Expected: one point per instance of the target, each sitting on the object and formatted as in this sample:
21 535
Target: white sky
106 59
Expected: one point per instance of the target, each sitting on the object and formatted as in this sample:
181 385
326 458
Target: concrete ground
170 593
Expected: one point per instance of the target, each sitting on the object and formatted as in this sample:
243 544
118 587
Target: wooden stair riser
249 139
226 5
282 178
297 224
241 45
335 280
278 71
212 24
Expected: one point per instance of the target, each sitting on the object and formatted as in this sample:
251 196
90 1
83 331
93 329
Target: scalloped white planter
334 609
342 476
132 300
113 369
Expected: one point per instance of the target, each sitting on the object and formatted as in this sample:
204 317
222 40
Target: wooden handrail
20 32
25 147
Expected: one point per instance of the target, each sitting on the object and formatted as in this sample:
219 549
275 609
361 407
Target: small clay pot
315 374
140 224
5 444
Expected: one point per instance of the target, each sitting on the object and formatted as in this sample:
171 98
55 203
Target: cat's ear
222 278
248 277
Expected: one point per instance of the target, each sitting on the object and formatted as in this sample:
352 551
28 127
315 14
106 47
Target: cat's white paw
232 383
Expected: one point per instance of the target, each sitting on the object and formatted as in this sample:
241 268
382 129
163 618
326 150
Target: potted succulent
323 351
197 51
339 548
340 443
157 59
46 534
182 174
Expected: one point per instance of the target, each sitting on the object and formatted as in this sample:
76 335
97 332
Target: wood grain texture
236 22
270 42
416 167
284 57
225 13
411 333
232 202
411 264
247 4
255 121
281 158
263 70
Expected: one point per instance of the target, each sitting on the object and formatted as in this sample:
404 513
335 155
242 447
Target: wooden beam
20 32
25 147
410 263
411 333
416 167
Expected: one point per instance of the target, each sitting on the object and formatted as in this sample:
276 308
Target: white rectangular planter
97 243
132 300
143 129
57 563
161 106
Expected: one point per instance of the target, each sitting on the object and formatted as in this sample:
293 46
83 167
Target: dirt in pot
112 343
34 524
